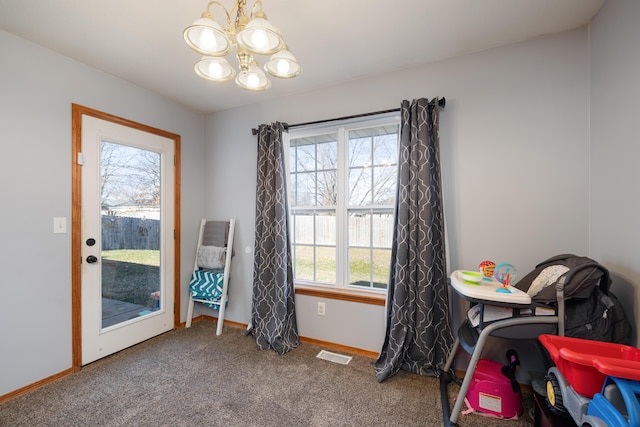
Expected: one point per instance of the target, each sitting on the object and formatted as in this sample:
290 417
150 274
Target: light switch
59 225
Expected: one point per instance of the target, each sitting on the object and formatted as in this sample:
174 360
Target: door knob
91 259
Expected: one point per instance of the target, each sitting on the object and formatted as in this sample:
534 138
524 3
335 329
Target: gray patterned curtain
273 316
418 334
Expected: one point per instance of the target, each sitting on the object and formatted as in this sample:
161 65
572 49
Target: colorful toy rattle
487 268
504 273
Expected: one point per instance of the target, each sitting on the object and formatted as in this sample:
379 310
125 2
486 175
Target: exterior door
127 236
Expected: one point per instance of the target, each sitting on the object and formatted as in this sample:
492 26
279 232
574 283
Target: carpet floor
190 377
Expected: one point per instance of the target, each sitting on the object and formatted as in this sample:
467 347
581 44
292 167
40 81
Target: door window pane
130 218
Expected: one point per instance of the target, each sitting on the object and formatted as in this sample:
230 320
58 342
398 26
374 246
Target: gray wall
515 159
538 152
37 88
615 148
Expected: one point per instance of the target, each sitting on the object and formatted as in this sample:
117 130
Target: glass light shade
207 37
283 65
260 37
253 79
216 69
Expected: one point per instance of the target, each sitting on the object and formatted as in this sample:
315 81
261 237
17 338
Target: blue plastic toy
617 404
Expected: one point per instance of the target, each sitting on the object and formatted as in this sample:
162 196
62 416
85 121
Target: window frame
341 128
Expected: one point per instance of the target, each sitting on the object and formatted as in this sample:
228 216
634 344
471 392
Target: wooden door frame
77 111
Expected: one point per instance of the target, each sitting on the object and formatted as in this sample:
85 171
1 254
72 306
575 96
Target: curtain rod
441 103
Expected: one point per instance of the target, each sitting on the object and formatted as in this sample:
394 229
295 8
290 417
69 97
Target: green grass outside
359 266
137 256
131 275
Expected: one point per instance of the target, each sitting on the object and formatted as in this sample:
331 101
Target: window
342 196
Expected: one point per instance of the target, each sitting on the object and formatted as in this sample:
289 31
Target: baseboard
31 387
341 348
326 344
208 318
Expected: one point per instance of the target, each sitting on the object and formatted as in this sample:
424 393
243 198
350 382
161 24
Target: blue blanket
207 285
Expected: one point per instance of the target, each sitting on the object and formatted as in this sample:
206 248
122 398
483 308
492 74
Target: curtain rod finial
254 131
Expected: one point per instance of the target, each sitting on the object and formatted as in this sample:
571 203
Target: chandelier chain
241 11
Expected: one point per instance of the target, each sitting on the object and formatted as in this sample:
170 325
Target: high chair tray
486 292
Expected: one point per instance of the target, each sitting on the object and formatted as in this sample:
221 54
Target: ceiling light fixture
248 37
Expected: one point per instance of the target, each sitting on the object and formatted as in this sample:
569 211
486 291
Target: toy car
595 383
617 405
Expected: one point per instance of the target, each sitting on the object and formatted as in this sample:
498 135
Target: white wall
37 88
615 148
514 153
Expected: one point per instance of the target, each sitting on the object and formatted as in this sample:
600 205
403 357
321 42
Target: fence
364 230
119 232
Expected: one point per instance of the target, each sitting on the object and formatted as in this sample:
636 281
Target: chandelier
247 36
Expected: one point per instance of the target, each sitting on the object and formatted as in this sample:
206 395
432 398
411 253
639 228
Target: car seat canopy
581 274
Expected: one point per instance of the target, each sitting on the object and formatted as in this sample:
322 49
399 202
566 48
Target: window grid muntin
371 212
389 125
296 214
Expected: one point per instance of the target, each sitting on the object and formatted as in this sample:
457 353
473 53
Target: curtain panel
418 334
273 317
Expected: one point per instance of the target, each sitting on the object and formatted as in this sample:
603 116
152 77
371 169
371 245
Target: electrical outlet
321 309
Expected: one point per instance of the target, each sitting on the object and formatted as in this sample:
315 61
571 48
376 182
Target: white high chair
529 318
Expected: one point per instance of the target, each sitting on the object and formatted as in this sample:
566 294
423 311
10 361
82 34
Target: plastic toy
156 297
472 277
487 268
494 389
504 273
595 383
617 404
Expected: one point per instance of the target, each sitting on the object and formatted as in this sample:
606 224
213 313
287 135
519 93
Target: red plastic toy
585 363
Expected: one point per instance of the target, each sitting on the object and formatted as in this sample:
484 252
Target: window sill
341 294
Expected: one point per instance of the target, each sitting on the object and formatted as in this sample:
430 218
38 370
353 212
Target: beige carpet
190 377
